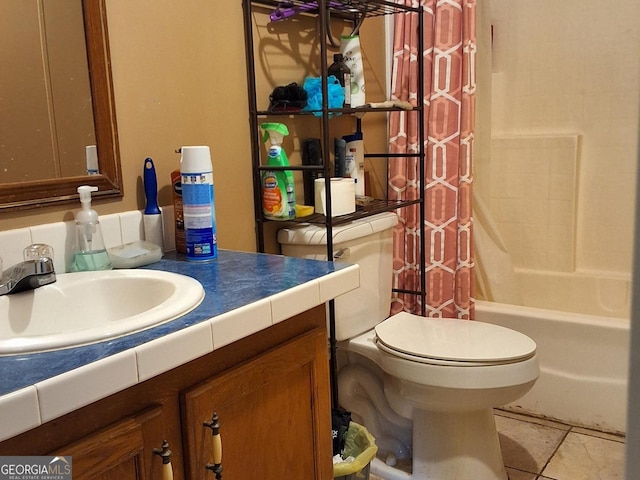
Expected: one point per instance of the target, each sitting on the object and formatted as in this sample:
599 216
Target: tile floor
538 449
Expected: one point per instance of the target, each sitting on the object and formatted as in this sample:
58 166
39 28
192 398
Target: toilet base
451 446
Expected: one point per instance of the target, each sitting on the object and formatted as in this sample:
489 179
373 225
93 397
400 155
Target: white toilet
424 387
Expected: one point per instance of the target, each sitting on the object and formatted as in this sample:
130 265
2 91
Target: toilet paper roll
343 196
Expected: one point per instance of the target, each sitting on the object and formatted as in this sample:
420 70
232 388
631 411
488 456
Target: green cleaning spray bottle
278 186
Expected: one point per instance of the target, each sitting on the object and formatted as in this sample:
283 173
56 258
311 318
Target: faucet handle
37 251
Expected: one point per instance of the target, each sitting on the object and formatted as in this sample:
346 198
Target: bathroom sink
89 307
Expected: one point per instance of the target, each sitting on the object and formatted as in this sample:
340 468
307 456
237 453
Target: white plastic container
91 153
134 254
354 161
352 56
198 203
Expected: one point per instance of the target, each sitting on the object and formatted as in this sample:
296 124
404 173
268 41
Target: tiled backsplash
117 229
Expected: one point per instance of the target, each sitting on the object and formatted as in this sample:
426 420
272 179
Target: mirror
36 192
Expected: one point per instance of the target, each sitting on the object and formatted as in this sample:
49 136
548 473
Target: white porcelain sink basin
88 307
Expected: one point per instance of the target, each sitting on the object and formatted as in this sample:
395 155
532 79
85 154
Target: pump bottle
90 253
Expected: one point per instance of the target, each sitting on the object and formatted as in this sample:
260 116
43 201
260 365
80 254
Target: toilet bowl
424 387
446 375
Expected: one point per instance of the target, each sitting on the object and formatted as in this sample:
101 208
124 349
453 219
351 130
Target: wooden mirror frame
22 195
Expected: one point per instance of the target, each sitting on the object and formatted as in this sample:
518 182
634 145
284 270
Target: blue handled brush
153 231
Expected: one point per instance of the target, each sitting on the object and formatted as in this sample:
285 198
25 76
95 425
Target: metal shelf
334 111
354 12
341 8
362 211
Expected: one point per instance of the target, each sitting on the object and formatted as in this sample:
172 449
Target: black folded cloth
289 98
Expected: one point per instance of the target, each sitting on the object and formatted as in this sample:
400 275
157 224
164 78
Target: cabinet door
274 416
121 451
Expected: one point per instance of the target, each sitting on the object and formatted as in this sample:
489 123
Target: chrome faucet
36 270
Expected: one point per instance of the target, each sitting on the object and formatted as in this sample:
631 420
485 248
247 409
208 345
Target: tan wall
179 78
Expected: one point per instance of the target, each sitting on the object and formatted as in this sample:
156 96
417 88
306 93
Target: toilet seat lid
454 340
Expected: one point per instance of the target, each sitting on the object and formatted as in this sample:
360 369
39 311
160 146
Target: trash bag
340 420
360 445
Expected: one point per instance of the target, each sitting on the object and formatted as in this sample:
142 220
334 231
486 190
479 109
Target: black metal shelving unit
354 12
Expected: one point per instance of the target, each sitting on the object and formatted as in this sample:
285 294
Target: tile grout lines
564 437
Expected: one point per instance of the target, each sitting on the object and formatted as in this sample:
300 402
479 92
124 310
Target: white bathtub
583 362
607 294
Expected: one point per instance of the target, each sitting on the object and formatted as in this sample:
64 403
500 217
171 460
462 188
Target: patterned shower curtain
449 89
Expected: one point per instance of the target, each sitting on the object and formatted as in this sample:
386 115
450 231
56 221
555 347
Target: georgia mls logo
60 465
35 468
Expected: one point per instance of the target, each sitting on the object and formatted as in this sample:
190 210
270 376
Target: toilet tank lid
308 234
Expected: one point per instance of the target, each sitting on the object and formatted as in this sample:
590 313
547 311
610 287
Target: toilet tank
367 242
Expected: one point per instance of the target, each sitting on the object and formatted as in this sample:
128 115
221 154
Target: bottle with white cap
91 152
198 203
90 253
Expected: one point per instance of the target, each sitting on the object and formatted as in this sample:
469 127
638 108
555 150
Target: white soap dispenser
90 252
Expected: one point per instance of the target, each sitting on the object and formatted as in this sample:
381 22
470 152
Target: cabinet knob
165 454
216 447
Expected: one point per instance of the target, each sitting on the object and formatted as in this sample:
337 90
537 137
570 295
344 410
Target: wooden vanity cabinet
267 410
270 392
123 450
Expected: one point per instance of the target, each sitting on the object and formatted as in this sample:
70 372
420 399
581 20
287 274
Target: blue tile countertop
232 281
